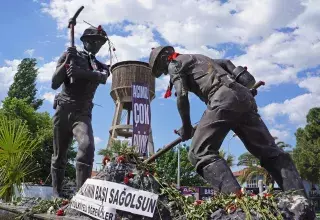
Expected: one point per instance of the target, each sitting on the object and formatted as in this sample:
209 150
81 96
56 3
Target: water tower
123 75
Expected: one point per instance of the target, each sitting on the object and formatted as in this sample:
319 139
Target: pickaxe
179 140
72 23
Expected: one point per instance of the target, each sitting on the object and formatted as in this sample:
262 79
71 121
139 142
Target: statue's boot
57 176
83 172
285 173
219 175
287 177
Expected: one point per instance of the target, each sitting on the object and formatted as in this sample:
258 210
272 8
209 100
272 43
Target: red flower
198 202
120 159
60 212
239 193
266 195
64 202
105 160
231 208
126 180
252 194
130 175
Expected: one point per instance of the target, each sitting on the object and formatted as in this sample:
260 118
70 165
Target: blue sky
278 45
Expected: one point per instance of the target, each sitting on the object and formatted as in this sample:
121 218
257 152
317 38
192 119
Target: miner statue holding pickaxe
79 73
228 92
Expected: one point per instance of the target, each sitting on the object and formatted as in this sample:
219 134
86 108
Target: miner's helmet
158 60
96 34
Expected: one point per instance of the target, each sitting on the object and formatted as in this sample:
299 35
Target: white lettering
140 92
136 114
142 113
134 92
146 114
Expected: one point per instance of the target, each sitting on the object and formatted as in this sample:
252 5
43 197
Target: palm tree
229 158
253 169
16 148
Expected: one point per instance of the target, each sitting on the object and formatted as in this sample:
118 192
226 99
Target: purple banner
141 117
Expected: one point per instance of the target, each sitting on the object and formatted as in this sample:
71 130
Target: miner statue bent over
74 106
225 89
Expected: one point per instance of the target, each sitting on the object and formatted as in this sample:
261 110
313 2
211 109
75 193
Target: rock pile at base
118 172
172 205
291 207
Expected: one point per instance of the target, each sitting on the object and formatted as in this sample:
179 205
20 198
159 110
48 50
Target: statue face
164 62
93 45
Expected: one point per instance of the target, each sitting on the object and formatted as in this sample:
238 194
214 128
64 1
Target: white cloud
282 135
295 109
196 23
198 26
7 72
275 57
46 71
49 96
29 52
162 83
312 84
136 45
97 140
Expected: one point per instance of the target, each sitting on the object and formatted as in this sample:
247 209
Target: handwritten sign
93 209
141 117
112 195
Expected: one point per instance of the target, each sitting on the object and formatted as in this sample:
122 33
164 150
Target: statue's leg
259 142
204 152
62 138
83 133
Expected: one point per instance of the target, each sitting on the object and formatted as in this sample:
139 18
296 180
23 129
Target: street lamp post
178 177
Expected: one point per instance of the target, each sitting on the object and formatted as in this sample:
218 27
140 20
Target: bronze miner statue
225 89
74 106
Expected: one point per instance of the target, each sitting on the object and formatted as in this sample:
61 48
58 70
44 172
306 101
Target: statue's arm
60 73
178 78
105 73
99 76
226 64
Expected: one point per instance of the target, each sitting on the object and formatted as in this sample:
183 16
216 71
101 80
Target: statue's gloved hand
254 92
71 52
79 73
76 72
185 132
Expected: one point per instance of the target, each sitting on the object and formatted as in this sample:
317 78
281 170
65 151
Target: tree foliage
306 154
16 155
41 127
167 167
24 85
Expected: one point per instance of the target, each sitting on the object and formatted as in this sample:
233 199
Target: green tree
24 85
16 149
229 158
41 127
306 154
167 165
167 168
